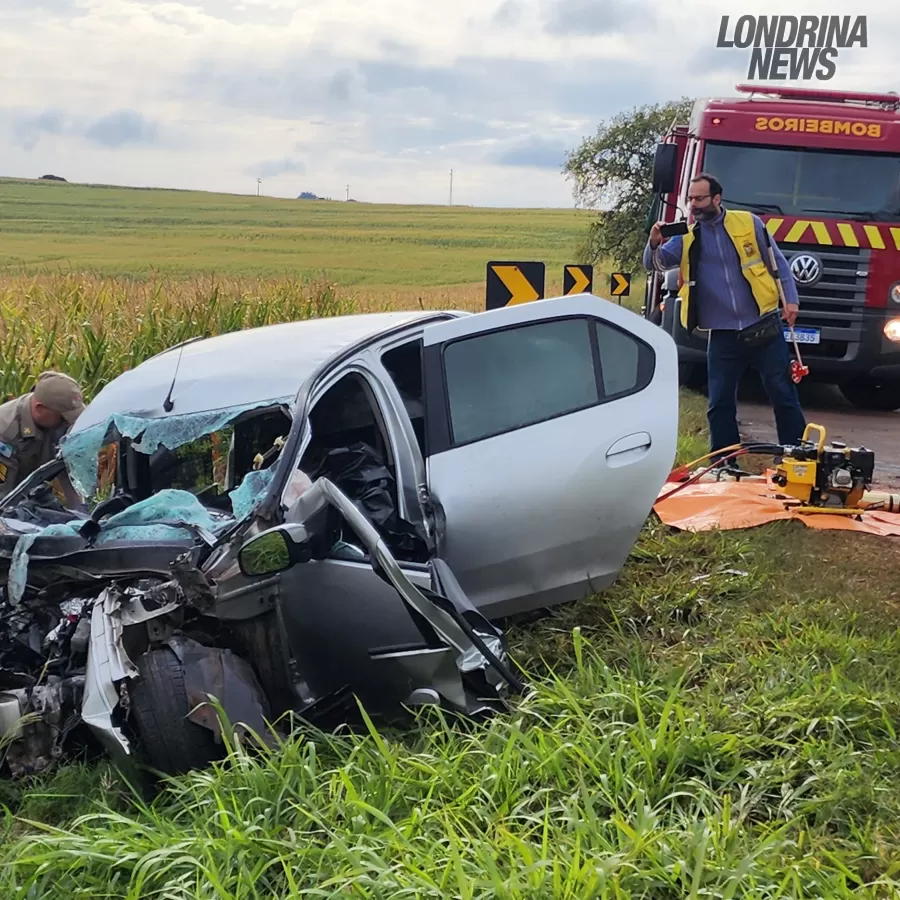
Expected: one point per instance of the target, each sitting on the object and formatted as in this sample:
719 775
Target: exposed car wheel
169 741
872 393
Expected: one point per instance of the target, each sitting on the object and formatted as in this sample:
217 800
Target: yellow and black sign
620 284
508 283
578 280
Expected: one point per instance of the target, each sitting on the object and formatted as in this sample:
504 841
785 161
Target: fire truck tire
872 393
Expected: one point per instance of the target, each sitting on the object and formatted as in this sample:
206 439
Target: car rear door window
515 377
622 361
508 379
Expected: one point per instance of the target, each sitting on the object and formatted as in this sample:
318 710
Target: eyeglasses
701 197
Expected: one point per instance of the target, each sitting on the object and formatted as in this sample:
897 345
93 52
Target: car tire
168 740
872 393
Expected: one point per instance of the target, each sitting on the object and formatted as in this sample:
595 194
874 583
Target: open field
721 723
48 226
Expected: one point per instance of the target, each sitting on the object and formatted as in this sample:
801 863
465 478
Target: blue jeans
727 360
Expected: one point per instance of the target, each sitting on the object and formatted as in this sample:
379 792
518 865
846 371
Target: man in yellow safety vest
727 288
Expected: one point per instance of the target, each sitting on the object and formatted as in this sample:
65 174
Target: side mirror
275 550
664 168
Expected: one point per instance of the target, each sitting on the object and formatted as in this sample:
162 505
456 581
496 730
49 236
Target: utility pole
258 182
451 187
348 193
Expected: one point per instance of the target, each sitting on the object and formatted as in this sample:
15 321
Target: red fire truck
822 169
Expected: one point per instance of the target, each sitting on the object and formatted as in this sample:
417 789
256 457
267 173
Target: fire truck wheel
872 393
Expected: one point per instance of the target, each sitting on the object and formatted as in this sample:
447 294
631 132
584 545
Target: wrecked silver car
289 518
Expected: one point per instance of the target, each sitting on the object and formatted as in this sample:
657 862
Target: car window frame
360 367
438 428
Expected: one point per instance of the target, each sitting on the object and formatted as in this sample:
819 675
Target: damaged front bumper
121 628
110 634
82 683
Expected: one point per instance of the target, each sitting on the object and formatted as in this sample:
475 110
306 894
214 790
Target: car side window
508 379
622 361
515 377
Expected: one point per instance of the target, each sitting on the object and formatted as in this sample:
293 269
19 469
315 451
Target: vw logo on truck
805 268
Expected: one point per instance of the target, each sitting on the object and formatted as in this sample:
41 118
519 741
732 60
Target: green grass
722 723
48 227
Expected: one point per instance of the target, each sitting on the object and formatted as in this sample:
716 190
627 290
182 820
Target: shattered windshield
208 454
174 478
223 459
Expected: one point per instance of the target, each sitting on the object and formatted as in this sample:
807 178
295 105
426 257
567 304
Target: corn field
95 328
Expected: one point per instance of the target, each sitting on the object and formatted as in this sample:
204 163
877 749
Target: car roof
242 368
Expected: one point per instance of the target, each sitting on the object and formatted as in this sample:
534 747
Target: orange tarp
728 505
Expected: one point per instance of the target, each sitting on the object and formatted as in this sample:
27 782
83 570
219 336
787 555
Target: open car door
551 426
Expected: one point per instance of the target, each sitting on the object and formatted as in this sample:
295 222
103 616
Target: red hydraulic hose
695 478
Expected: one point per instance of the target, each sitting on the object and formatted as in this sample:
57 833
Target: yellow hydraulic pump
830 478
811 477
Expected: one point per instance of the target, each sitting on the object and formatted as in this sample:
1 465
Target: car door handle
628 449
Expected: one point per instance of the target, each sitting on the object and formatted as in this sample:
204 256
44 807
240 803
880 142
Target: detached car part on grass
395 483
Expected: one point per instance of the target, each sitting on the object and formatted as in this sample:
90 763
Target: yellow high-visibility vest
740 228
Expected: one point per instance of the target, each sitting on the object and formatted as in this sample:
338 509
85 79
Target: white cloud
386 95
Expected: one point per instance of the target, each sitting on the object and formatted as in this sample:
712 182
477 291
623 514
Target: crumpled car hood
168 518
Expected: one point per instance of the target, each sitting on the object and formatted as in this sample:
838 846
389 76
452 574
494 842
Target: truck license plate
803 335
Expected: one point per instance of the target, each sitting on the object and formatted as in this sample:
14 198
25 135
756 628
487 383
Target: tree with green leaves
613 171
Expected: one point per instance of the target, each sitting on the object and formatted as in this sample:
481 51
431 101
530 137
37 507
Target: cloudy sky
384 95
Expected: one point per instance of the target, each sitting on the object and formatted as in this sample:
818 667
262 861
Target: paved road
842 422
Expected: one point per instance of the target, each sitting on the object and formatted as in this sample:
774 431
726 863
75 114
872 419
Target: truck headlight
894 293
892 330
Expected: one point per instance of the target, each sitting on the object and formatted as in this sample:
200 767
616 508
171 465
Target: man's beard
707 214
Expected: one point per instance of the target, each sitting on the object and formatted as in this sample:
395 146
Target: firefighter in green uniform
31 426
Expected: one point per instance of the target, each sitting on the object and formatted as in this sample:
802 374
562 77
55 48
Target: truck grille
835 302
